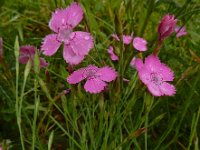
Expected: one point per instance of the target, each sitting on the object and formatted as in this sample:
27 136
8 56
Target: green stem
146 134
18 100
149 103
26 72
35 115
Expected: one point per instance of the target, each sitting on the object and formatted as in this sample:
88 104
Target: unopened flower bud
166 26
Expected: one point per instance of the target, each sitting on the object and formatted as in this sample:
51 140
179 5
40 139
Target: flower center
63 33
156 78
90 73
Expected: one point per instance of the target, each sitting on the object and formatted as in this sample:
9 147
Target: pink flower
113 56
132 63
115 37
96 77
27 52
127 39
140 44
155 75
166 26
180 31
76 44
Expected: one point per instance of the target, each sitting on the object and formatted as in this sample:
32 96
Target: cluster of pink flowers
77 44
138 43
154 74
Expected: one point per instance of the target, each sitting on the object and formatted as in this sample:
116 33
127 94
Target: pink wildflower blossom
166 26
76 44
113 56
127 39
140 44
155 75
27 52
180 31
132 63
96 77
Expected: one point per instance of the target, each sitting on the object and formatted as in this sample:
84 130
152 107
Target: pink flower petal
50 45
115 37
43 63
107 74
154 89
80 42
74 14
127 39
113 56
58 19
167 89
167 73
153 63
145 76
23 59
27 50
76 76
138 64
140 44
180 31
133 62
166 26
94 85
92 67
70 17
70 57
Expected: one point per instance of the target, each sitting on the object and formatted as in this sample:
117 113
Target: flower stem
157 48
148 102
146 134
18 100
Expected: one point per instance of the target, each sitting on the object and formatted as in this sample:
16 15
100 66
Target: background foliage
126 116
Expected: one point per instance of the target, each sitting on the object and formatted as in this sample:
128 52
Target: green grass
36 114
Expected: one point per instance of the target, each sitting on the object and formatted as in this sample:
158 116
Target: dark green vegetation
127 116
